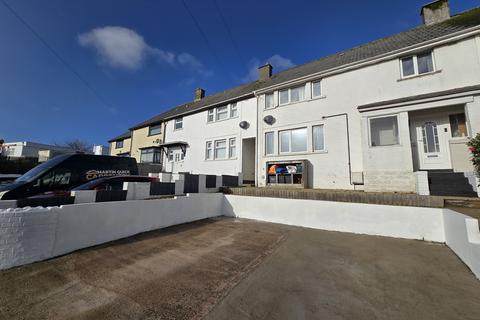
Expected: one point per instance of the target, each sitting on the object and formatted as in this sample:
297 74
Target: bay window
150 155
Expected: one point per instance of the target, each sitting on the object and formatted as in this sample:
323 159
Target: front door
432 136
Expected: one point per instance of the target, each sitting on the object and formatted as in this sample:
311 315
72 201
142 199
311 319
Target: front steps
449 183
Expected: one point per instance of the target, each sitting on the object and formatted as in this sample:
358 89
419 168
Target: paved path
241 269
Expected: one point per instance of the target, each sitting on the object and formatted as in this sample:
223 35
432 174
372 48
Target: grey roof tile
123 136
372 49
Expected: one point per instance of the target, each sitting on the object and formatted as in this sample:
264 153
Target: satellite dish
244 125
269 120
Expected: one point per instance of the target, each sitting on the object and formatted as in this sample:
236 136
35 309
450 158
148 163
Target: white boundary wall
33 234
381 220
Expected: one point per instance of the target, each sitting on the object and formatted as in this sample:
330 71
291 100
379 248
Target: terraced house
391 115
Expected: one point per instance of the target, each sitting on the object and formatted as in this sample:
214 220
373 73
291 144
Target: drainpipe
348 142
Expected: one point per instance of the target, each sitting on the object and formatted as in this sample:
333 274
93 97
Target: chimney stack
199 94
265 72
435 12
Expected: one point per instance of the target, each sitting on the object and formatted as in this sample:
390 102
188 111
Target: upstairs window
283 96
297 94
292 95
269 101
316 89
178 123
233 110
384 131
211 115
418 64
119 144
222 113
153 130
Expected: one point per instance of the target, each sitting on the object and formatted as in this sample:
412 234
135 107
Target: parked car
8 178
105 183
66 172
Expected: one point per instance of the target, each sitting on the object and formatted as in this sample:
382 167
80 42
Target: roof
194 106
382 104
412 37
123 136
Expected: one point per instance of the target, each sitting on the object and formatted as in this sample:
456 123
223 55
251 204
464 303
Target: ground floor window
318 138
458 125
151 155
384 131
221 149
293 140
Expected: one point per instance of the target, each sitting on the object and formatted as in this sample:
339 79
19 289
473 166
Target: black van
65 172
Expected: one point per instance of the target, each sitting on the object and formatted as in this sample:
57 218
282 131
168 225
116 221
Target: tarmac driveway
241 269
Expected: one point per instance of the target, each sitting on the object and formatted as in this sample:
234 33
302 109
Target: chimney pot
435 12
199 94
265 72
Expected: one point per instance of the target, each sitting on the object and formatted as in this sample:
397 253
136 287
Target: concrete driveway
240 269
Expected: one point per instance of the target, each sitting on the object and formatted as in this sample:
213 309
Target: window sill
317 98
419 75
295 154
296 102
213 160
156 134
178 129
398 145
215 121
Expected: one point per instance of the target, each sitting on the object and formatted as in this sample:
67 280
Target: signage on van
94 174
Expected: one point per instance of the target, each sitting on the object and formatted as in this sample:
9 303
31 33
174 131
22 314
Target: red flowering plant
474 147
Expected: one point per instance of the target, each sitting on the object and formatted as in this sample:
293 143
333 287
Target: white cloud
278 63
124 48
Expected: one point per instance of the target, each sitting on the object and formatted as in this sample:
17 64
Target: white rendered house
390 115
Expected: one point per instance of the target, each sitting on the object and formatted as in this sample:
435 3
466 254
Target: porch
419 144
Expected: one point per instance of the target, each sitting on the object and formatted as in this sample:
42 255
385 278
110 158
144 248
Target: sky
102 66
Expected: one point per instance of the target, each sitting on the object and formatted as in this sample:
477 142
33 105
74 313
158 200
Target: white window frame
313 138
233 106
290 141
226 112
232 146
415 65
289 93
399 142
215 149
272 94
273 143
176 122
209 147
311 89
211 113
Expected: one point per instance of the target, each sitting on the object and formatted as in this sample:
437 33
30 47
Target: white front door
432 136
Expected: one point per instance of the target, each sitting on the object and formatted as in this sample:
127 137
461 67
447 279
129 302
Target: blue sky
142 57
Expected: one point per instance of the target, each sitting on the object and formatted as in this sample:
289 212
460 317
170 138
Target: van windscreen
41 168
